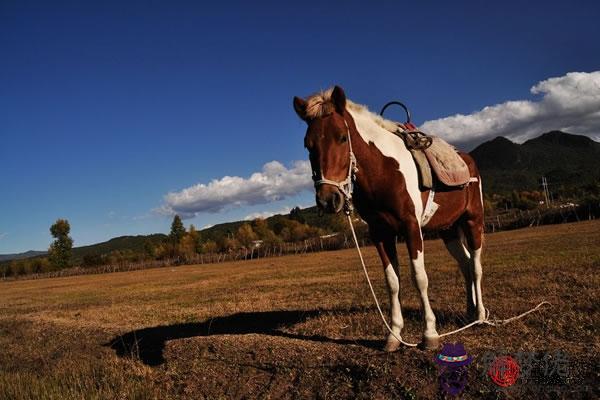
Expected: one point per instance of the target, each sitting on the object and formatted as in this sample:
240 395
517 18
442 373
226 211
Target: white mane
320 105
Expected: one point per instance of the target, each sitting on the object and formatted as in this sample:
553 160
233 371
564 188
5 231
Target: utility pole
546 192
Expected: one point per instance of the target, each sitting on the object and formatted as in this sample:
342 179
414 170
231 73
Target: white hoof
430 342
392 344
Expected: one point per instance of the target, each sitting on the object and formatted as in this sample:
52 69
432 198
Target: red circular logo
504 371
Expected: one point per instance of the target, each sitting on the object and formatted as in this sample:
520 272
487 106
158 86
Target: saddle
434 157
431 153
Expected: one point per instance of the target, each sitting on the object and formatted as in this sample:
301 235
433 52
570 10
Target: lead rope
362 261
486 321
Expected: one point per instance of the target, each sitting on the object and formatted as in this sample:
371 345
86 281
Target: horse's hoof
391 345
430 342
474 315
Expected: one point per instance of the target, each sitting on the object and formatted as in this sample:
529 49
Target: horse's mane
320 105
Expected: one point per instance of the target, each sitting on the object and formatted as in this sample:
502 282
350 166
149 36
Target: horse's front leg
386 247
414 242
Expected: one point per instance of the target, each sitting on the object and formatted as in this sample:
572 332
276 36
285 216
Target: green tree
149 249
190 243
265 234
294 231
296 215
7 271
209 247
38 265
59 252
227 243
246 235
196 239
177 230
91 260
515 199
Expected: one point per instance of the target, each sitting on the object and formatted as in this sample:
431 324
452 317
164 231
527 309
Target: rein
347 185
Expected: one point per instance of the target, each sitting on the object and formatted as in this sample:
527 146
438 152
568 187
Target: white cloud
570 103
267 214
274 182
3 235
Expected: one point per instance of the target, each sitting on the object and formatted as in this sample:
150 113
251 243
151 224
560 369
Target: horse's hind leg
455 242
474 235
386 247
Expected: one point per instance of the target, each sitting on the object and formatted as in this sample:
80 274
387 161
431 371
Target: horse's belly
452 205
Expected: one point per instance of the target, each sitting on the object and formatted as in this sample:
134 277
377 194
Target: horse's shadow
147 344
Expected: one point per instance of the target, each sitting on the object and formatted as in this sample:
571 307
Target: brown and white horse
353 154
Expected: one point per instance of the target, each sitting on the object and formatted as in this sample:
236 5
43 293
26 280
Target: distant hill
20 256
309 215
137 243
564 159
121 243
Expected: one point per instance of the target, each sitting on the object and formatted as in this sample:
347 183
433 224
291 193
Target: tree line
301 230
181 245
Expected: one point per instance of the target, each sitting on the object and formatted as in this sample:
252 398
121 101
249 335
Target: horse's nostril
337 200
330 202
321 203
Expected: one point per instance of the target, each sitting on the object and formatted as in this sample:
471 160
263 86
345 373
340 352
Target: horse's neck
378 153
384 145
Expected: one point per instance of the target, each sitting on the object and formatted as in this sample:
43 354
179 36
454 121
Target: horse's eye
344 139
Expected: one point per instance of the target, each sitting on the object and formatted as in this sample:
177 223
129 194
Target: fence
515 219
508 220
335 242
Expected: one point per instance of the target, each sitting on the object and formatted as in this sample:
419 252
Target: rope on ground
486 321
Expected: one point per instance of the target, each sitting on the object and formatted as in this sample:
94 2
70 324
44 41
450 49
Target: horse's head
328 146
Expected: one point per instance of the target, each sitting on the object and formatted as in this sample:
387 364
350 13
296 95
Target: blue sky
107 107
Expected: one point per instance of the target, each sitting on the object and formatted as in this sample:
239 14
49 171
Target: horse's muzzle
329 199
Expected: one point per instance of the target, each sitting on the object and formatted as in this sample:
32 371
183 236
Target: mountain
309 215
566 160
121 243
20 256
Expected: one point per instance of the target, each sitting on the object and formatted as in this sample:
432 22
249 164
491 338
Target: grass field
300 327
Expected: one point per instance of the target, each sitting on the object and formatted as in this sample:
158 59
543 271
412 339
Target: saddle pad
426 181
446 163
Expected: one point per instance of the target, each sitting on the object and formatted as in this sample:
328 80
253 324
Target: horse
353 155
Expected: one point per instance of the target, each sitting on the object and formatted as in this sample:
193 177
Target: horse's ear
338 97
300 107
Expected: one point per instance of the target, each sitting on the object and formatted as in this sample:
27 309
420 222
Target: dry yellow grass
297 326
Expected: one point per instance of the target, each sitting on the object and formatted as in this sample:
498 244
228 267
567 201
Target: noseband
347 185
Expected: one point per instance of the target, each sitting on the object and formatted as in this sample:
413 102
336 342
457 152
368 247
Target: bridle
347 185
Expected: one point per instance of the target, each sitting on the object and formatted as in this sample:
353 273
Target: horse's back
473 170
